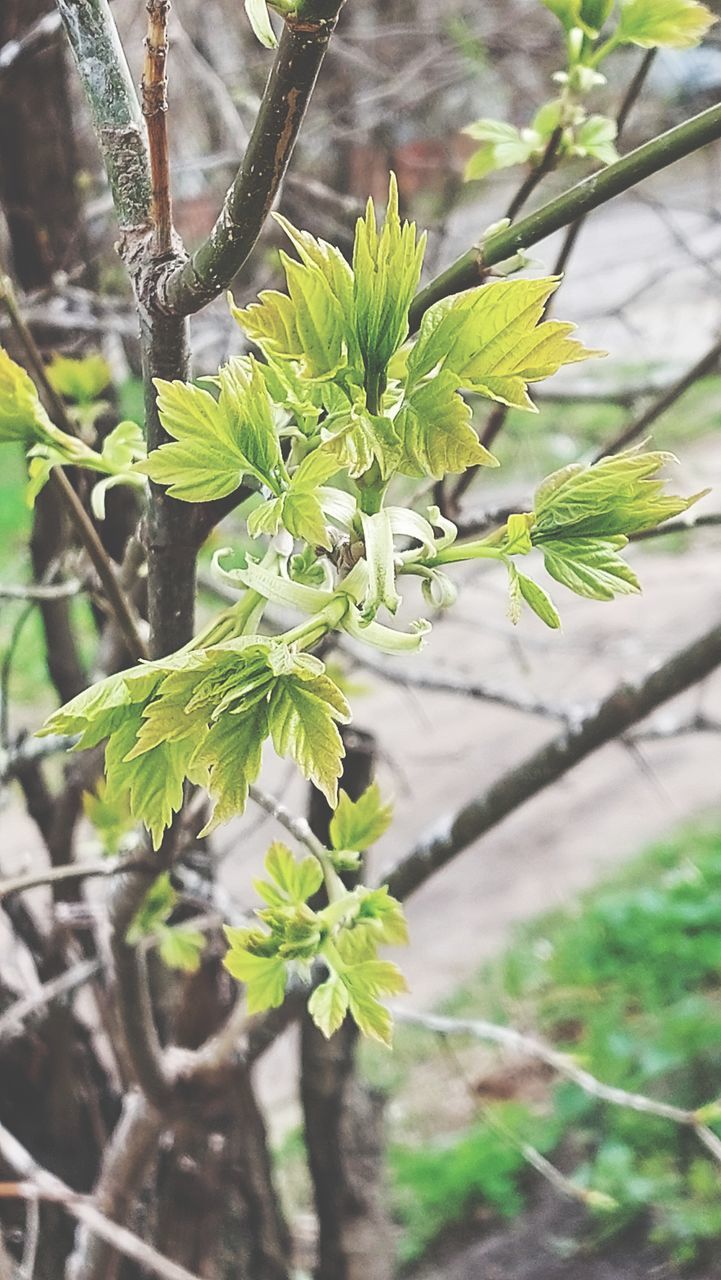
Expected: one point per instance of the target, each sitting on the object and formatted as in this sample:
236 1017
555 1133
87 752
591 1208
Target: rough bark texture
343 1118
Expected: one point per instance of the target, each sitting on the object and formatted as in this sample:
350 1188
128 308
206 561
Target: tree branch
115 110
39 1184
155 107
563 1064
303 44
638 427
472 267
623 708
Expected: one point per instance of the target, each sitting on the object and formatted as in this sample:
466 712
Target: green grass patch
629 982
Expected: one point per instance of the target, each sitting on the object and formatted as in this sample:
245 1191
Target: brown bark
38 159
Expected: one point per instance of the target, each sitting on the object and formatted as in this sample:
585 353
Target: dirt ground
536 1247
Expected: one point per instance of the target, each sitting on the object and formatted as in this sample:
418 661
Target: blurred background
594 912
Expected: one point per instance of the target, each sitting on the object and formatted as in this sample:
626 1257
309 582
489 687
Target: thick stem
471 268
214 264
171 539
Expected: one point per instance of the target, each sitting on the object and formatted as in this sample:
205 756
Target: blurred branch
187 288
39 1184
545 165
73 871
84 526
36 591
614 716
653 156
40 33
638 427
30 751
564 1065
24 1009
125 1162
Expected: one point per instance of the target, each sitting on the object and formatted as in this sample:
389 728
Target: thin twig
297 826
39 1184
83 524
155 107
630 99
561 1063
73 871
499 413
36 591
640 425
189 287
537 174
28 1006
597 189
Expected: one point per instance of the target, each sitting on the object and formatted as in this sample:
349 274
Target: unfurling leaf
357 824
259 18
328 1005
22 416
386 271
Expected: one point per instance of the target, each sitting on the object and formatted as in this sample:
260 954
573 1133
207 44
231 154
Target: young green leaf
291 881
302 715
537 599
596 137
204 461
22 416
386 270
79 380
671 24
502 146
328 1005
154 910
264 975
434 425
180 948
310 324
591 567
357 824
618 495
494 341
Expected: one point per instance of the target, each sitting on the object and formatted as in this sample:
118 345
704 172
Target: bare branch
39 1184
115 110
640 425
125 1163
303 44
614 716
155 107
73 871
562 1063
298 827
28 1006
37 591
